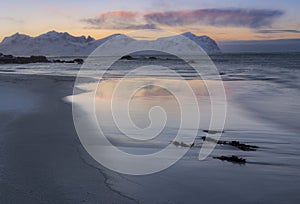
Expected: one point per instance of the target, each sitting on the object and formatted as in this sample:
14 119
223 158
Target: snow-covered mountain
209 45
50 44
63 44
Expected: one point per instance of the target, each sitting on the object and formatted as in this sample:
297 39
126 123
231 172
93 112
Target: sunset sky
220 19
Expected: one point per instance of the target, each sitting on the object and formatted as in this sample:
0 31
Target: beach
42 160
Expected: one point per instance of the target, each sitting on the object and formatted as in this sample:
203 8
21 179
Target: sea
262 94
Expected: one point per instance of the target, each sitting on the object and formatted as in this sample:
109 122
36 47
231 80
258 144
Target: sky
220 19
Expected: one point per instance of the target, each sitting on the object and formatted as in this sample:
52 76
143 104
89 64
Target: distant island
63 44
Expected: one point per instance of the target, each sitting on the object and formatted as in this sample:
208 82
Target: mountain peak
15 37
54 33
192 35
208 44
89 39
188 34
64 36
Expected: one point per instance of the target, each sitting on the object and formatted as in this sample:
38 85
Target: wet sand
41 158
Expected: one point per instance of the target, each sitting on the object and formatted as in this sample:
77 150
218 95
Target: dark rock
182 144
9 71
127 57
79 61
241 146
38 59
152 58
233 159
8 56
10 59
213 131
21 60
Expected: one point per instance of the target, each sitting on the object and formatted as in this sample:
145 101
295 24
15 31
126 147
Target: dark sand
41 158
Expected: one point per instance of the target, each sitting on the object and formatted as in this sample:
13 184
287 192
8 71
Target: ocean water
262 98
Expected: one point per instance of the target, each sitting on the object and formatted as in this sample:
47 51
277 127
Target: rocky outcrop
10 59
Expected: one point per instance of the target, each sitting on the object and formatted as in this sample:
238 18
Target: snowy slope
51 43
63 44
209 45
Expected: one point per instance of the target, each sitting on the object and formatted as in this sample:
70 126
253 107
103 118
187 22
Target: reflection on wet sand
154 99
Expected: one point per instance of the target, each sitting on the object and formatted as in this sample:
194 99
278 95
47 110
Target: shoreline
41 155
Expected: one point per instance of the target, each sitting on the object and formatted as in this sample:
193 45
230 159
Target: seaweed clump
233 159
241 146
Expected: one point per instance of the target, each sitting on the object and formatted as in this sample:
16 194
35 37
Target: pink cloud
119 20
117 14
215 17
252 18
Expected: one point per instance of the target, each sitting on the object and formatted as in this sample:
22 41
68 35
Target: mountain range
63 44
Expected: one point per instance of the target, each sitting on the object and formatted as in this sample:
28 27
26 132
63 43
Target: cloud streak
119 20
278 31
254 18
10 19
251 18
